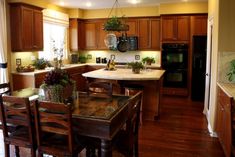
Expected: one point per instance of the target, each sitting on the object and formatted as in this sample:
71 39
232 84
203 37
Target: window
55 41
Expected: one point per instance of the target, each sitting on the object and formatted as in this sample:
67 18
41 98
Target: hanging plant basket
116 24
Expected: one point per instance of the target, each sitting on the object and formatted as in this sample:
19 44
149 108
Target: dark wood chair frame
126 140
20 117
98 88
55 119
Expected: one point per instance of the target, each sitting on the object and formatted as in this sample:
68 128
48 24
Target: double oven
175 62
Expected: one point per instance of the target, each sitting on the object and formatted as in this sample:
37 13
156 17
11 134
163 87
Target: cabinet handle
34 46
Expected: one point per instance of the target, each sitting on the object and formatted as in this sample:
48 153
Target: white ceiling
101 4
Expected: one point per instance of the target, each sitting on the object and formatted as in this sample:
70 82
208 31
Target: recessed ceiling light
185 0
62 3
134 1
88 4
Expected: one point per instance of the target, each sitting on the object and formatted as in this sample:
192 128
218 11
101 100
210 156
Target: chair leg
7 150
17 151
33 153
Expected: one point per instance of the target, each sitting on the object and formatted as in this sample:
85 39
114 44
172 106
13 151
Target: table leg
106 148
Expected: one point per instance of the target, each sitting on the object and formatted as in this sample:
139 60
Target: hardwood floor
181 131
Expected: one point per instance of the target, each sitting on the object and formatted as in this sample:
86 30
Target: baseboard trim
212 133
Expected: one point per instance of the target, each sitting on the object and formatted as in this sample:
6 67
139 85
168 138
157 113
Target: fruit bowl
25 69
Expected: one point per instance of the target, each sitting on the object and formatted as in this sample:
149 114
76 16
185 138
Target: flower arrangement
58 86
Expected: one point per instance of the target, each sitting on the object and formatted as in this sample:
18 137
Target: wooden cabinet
73 35
175 28
26 27
90 35
133 27
199 25
224 121
175 91
149 34
94 35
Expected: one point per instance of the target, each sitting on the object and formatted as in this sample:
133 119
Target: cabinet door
90 35
81 35
183 28
168 28
199 25
133 27
220 123
27 28
101 34
155 34
37 30
73 35
144 34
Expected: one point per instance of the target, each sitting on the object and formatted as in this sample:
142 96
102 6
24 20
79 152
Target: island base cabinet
151 97
224 121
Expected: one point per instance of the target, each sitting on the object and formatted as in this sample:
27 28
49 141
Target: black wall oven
175 62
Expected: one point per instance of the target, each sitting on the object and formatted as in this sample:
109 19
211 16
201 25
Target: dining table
98 117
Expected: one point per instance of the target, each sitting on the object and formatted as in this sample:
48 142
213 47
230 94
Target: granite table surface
228 88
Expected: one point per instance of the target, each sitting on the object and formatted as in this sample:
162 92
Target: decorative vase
136 70
57 93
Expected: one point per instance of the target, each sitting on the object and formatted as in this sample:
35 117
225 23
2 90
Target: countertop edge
226 87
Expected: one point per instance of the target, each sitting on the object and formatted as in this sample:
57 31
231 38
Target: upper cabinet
175 28
199 25
89 34
149 34
26 27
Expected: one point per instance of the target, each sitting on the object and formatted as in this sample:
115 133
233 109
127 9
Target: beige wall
213 16
176 8
184 8
42 3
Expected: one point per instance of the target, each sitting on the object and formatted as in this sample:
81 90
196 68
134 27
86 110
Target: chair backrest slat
52 117
16 111
100 89
5 88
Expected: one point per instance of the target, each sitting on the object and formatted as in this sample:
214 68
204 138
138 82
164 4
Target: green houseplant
231 74
115 24
136 66
148 60
41 63
82 59
57 86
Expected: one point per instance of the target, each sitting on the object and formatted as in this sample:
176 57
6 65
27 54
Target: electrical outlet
112 57
137 57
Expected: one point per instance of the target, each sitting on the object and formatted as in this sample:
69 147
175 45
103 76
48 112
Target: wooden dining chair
5 88
15 111
126 140
54 129
100 89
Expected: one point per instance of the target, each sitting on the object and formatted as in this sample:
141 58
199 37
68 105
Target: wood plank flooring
181 131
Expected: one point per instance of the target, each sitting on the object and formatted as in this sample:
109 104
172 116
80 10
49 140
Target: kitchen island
150 79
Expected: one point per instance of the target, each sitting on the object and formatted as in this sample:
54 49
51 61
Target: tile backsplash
123 57
224 65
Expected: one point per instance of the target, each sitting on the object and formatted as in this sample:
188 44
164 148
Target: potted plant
148 60
115 24
82 59
231 74
41 63
136 66
58 86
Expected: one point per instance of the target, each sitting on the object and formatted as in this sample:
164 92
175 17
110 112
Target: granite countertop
228 88
66 66
125 74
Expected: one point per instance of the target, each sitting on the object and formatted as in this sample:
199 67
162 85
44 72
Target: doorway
208 68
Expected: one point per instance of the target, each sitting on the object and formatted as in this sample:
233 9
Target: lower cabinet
224 121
